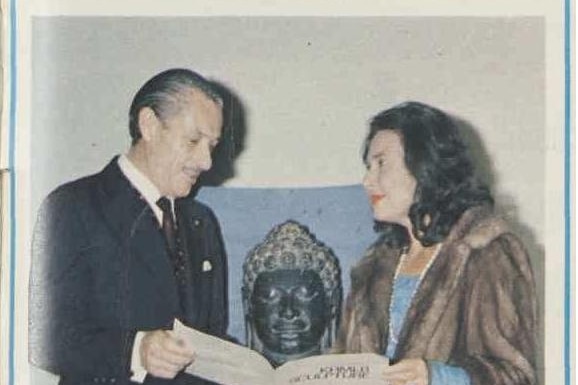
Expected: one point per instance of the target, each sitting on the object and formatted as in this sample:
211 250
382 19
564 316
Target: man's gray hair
163 93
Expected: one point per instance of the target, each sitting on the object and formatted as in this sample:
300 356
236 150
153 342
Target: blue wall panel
340 217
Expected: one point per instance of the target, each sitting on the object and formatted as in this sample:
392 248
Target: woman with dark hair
447 292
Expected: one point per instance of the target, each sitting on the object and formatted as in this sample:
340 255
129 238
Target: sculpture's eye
273 295
304 293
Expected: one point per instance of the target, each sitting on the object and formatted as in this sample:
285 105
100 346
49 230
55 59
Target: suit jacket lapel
198 291
133 224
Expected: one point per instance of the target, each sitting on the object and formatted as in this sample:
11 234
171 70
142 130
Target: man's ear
149 123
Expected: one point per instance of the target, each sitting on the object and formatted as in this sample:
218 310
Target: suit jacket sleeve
63 335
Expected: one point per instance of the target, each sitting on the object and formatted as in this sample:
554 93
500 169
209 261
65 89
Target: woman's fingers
406 372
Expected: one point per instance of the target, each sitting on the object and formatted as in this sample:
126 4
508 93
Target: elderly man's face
179 148
290 310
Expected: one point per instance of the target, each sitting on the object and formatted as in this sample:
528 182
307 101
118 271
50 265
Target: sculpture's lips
290 335
290 331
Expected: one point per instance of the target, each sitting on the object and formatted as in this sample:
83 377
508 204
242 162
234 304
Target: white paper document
226 363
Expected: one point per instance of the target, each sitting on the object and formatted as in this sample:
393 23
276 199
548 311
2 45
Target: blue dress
404 288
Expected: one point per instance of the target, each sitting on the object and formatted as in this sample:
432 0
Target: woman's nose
367 180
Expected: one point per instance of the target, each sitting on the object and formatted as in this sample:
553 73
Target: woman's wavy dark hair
436 157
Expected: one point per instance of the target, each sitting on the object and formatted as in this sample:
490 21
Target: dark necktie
169 228
174 246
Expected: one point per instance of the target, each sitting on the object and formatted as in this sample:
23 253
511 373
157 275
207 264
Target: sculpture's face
290 311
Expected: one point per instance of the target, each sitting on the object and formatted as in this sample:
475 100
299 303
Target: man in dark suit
120 255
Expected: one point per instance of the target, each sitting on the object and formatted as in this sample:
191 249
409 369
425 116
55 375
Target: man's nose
204 159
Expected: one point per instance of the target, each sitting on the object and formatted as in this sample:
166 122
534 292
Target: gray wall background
307 87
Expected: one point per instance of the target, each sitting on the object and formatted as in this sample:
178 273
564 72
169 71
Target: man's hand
410 371
164 355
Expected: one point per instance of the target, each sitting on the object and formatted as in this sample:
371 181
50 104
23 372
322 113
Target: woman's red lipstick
376 198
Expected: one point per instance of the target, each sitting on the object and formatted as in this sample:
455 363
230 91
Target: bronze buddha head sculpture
291 294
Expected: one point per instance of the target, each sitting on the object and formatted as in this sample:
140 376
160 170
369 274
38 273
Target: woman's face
388 183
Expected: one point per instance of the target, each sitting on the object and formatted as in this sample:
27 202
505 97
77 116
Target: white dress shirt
151 195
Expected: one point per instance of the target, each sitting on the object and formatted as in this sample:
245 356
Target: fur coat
475 308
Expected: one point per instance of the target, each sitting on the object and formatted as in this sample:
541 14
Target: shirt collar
143 185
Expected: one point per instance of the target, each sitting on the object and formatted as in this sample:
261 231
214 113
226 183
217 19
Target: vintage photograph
209 193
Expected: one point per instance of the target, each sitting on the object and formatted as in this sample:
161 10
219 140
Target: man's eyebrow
211 137
206 134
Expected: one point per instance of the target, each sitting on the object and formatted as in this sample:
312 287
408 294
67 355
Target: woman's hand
411 371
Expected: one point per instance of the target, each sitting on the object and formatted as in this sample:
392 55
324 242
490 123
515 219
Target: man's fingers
163 365
173 357
160 368
164 355
162 373
177 347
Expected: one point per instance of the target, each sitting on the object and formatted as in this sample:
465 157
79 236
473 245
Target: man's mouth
191 175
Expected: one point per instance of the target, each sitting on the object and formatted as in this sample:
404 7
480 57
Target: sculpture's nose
288 309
